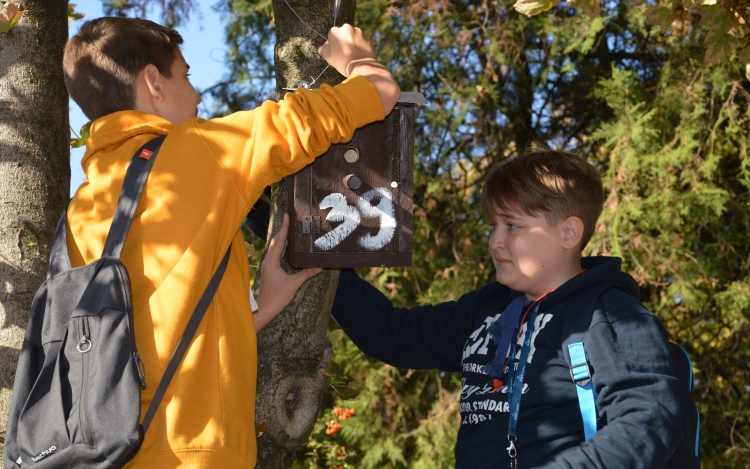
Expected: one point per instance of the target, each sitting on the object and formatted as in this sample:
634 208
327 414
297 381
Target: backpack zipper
139 366
84 346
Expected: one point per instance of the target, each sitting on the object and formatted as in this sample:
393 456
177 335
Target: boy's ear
572 232
154 82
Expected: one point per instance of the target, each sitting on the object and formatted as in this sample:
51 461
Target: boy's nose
497 240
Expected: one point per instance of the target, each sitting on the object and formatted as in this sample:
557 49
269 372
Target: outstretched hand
277 288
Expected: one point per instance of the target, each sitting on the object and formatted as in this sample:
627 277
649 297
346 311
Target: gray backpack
77 391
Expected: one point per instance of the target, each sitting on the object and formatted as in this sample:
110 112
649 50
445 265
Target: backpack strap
187 337
683 369
132 187
59 261
574 331
581 375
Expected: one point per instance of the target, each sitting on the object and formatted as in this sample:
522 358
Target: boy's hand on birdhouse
350 51
277 288
344 45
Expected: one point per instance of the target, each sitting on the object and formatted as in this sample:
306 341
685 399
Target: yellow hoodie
205 179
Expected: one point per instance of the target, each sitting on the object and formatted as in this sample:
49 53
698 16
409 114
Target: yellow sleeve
261 146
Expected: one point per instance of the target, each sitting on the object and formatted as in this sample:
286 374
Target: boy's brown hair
103 60
556 183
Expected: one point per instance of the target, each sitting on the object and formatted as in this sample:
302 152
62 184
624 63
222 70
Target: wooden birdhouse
353 206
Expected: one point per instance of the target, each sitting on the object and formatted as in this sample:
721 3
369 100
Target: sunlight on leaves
10 18
72 14
533 7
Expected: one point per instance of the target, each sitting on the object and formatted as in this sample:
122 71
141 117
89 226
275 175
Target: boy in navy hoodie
518 402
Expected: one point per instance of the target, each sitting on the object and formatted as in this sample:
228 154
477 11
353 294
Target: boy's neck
569 269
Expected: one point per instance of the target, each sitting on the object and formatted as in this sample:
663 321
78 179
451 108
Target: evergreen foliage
633 90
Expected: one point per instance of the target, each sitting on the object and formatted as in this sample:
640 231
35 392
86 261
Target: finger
284 231
304 275
325 50
311 272
279 240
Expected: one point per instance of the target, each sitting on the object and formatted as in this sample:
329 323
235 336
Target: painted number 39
341 211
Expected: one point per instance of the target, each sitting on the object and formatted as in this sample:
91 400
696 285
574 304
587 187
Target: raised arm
259 147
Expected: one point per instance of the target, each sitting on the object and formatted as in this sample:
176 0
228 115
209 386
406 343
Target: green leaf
343 386
72 14
10 18
660 16
80 140
533 7
719 43
349 392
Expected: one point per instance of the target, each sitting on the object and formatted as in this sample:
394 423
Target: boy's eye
511 226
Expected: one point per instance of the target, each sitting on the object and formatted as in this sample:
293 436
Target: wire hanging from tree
309 83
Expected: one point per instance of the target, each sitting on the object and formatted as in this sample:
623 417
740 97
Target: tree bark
34 168
293 351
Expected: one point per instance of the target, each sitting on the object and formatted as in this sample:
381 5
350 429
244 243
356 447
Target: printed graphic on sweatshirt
484 396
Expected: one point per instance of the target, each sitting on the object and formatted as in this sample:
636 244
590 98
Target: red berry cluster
342 413
333 427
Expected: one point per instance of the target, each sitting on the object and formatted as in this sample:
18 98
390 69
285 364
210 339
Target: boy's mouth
500 261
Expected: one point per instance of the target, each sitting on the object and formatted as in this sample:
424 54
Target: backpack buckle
580 374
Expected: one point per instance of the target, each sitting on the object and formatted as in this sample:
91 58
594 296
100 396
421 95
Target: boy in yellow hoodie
130 78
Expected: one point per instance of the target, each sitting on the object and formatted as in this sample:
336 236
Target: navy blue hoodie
627 348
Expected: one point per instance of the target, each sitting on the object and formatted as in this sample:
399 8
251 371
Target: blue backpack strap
574 330
581 375
683 370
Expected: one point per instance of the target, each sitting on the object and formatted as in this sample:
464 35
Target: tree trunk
293 351
34 168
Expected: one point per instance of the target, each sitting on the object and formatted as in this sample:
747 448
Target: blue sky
203 49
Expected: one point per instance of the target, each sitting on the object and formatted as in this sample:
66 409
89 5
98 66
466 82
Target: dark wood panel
355 209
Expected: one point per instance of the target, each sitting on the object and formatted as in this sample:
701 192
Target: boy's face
180 98
531 255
